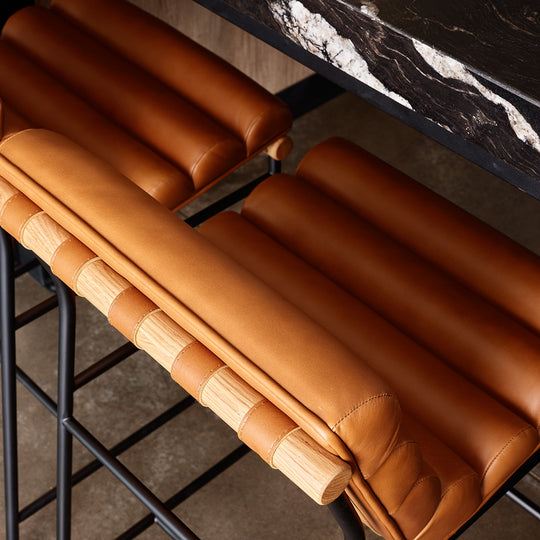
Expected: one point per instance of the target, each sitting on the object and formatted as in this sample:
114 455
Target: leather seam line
16 196
115 301
80 270
503 449
207 151
206 378
415 485
179 356
358 406
52 261
247 416
140 322
396 448
458 483
253 123
25 224
272 450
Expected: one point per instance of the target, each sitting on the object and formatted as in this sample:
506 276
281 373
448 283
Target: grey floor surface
249 501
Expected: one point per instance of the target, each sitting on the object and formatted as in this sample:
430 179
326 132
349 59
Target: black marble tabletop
469 69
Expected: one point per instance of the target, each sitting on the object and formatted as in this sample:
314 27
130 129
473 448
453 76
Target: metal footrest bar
36 391
36 311
166 519
103 365
524 502
25 267
187 491
116 450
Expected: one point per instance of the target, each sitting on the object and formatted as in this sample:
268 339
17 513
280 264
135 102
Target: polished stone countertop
469 70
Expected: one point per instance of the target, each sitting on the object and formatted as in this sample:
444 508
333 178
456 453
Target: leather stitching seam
6 204
503 449
415 485
79 271
204 153
458 483
276 443
253 123
52 262
140 322
248 415
206 378
358 406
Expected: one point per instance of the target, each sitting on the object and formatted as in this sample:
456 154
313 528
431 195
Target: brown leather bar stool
158 108
406 331
163 111
262 426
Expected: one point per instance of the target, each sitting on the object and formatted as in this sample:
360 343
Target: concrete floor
249 501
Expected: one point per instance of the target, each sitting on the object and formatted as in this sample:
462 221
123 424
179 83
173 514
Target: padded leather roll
426 386
165 121
476 254
460 484
23 84
245 108
480 341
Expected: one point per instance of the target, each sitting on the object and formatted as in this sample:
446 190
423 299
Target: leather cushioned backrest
167 113
24 84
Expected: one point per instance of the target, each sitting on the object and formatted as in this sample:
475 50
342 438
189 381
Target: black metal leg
346 518
66 367
274 166
9 395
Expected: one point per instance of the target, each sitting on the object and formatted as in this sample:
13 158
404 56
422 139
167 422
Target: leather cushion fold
48 168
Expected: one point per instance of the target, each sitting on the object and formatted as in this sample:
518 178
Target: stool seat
440 306
393 328
166 113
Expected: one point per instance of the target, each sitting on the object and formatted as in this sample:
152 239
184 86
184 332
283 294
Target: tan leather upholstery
166 113
373 340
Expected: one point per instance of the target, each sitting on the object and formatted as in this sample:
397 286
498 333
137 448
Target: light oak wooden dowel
320 474
280 149
317 472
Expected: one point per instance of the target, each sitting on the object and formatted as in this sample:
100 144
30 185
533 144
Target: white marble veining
312 32
452 69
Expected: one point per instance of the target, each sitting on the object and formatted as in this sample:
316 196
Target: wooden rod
320 474
280 149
